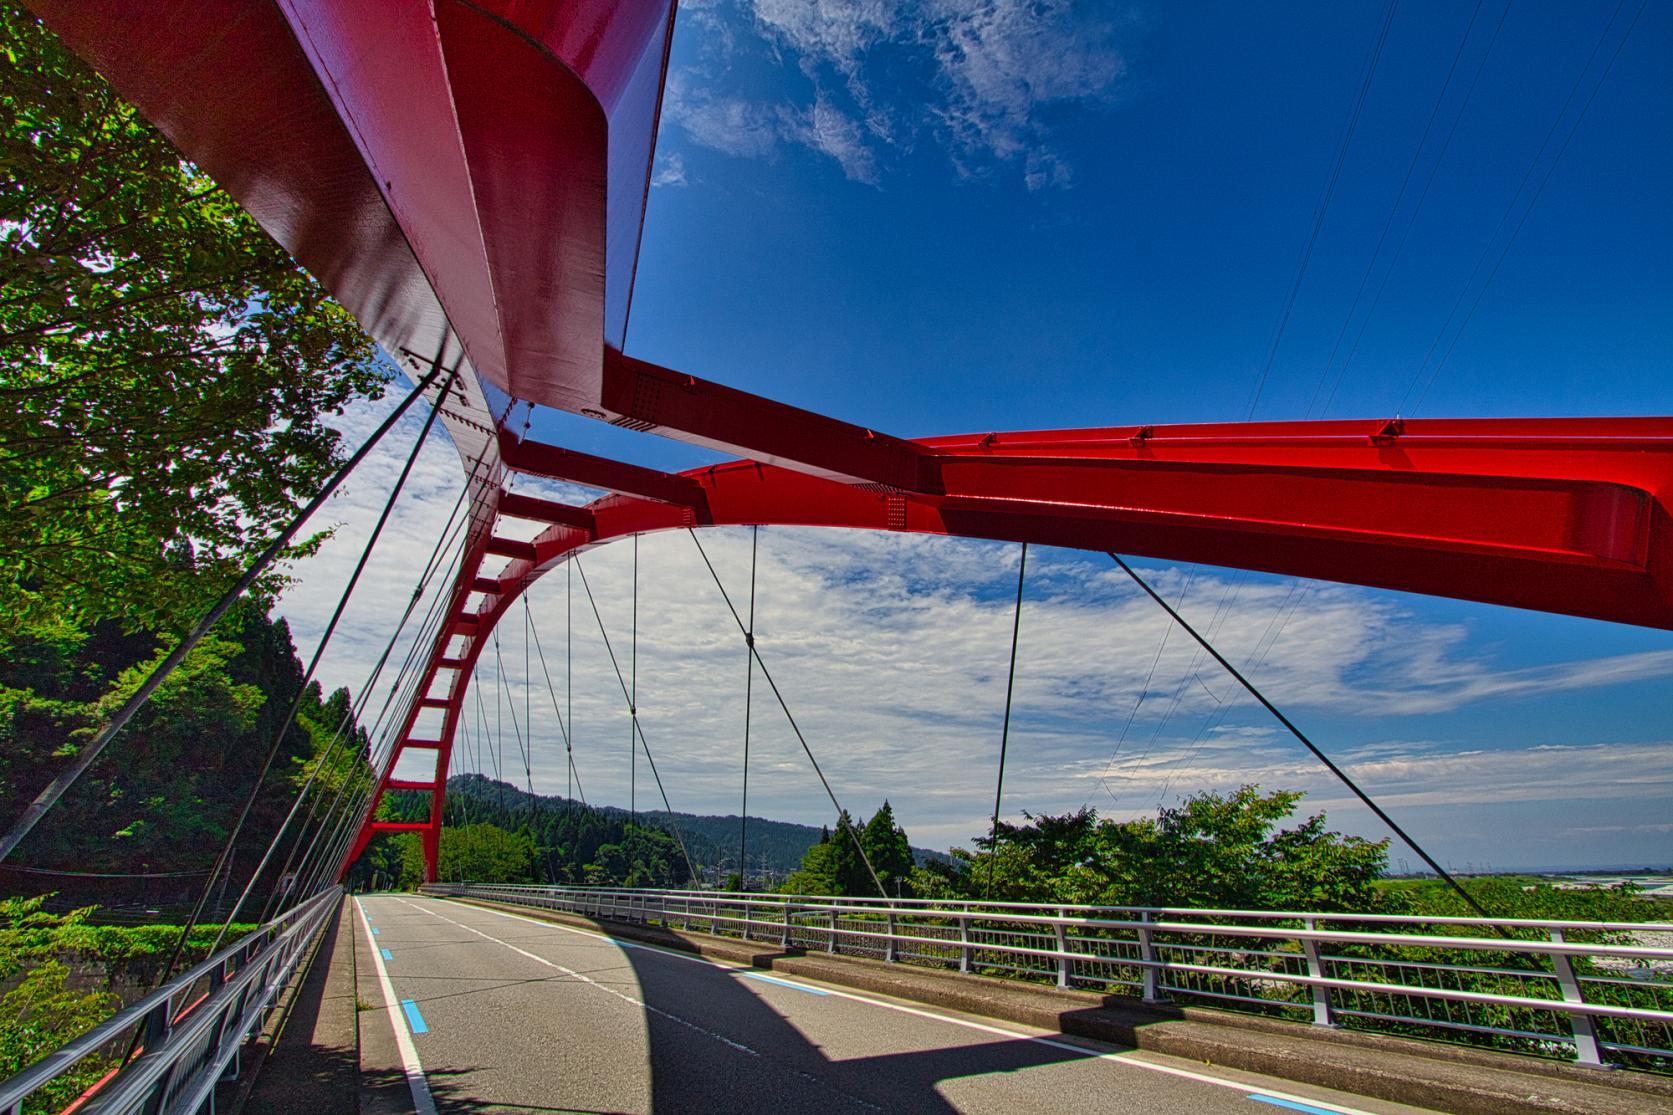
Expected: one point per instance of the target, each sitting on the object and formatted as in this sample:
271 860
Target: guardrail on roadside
190 1030
1585 990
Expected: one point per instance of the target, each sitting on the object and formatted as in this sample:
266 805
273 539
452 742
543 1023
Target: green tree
482 853
162 798
835 866
1212 850
818 873
891 854
164 366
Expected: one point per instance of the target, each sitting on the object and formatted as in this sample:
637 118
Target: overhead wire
1323 208
1533 201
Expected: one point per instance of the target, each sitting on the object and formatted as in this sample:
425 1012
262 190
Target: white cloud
977 76
670 170
892 650
748 129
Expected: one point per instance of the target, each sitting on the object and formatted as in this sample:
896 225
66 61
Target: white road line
740 969
422 1101
722 1038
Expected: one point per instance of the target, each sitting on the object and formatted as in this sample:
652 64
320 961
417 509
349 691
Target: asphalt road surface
474 1010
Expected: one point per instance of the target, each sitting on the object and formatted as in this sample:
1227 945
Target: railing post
784 942
830 942
964 940
1147 953
1586 1049
1322 1015
890 952
1061 932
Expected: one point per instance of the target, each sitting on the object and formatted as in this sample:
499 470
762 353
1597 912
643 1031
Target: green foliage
481 853
1211 851
42 1013
835 866
1524 897
164 366
891 855
49 956
161 798
521 838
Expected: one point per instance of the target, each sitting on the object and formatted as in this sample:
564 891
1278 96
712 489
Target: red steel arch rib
477 170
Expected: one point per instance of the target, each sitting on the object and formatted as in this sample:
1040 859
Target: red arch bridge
469 179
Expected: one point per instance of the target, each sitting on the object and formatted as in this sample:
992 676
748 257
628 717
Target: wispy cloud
670 170
978 77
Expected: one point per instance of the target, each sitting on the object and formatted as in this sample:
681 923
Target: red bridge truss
469 179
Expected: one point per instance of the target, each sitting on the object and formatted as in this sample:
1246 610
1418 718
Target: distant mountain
775 847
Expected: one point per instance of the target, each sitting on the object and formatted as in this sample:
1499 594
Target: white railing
190 1031
1588 990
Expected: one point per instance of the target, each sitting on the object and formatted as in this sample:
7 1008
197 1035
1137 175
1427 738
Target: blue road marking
414 1019
374 932
785 983
1290 1104
387 955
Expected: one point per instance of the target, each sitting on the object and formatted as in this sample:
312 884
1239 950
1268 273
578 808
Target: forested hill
148 819
774 846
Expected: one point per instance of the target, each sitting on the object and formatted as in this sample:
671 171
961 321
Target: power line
1323 208
1510 206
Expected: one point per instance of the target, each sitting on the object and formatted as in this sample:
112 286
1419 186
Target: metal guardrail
191 1030
1580 989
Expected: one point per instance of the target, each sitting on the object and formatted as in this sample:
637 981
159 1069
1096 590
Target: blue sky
969 215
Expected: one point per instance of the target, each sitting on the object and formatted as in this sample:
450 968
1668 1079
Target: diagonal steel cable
767 675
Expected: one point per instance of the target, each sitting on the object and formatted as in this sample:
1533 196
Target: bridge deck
514 1014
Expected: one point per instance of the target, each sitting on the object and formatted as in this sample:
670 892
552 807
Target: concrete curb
310 1061
1444 1077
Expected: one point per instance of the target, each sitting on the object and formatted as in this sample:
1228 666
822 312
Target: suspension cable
55 789
767 675
224 859
1340 774
563 725
1417 209
1005 729
528 717
673 825
749 685
522 748
633 697
444 541
289 718
569 667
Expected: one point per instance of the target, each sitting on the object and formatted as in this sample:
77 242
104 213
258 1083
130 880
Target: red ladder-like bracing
478 172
